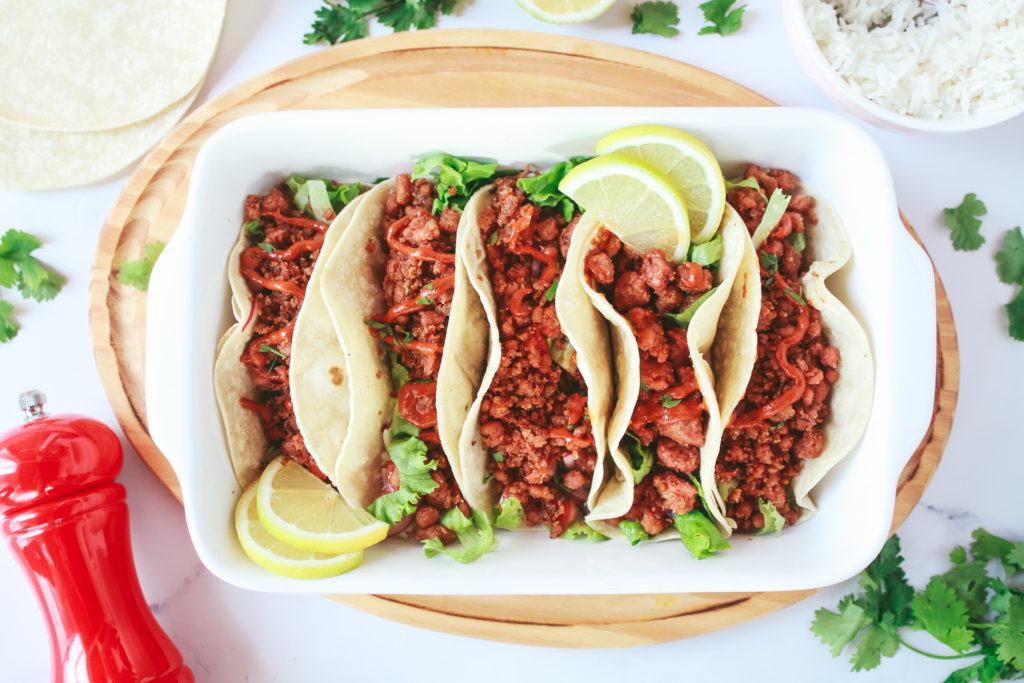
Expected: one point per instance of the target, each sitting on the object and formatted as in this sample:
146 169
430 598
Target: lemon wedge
684 159
565 11
636 201
299 509
278 556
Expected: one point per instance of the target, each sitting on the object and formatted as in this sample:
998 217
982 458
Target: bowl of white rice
930 66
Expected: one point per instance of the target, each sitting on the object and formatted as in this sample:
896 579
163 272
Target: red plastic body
67 523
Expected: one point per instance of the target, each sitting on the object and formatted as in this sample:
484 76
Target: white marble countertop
227 634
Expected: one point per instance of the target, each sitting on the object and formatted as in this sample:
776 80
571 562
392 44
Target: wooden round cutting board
453 69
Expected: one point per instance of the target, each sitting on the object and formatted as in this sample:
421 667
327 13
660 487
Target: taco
533 439
279 372
802 398
391 287
665 425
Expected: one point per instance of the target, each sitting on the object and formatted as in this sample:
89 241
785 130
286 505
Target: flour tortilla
586 333
38 159
86 65
316 363
699 335
828 249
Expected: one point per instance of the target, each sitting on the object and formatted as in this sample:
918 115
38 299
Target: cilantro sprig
659 18
965 609
136 273
723 20
347 20
963 221
24 272
1010 269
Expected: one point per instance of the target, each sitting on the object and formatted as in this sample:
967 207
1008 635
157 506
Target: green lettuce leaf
457 178
581 530
509 514
773 521
699 534
641 458
633 531
475 535
683 319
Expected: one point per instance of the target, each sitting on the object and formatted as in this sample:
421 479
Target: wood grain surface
453 69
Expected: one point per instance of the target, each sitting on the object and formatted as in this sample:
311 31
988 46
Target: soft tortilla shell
699 335
82 65
245 440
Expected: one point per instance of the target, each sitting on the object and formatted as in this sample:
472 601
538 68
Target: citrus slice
684 159
278 556
299 509
634 200
565 11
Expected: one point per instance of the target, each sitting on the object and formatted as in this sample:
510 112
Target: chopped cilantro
270 349
8 328
644 387
22 271
723 21
659 18
1010 258
498 457
963 222
549 294
542 189
457 179
424 301
492 239
770 262
669 402
1015 314
347 20
633 531
683 319
798 241
429 287
965 609
794 296
267 247
254 228
136 273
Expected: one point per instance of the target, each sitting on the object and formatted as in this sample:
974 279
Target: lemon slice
278 556
299 509
565 11
684 159
635 200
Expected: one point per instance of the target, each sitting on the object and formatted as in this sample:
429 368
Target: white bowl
844 95
888 285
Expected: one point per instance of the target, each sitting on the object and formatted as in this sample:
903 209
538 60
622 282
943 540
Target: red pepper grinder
68 525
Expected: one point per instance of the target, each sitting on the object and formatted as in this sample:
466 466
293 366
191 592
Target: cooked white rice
967 60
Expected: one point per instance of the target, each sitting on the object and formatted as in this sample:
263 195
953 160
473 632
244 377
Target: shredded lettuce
633 531
474 532
706 253
580 530
699 534
542 190
773 521
641 458
725 488
457 178
319 198
509 514
777 205
746 182
683 319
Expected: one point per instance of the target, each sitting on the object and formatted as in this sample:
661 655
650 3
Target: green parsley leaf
580 530
683 319
1015 316
660 18
549 293
336 23
943 614
723 22
699 534
836 629
8 328
136 273
963 221
509 514
669 402
641 458
1010 258
773 520
633 531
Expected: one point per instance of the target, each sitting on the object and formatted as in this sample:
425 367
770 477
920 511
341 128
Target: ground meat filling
669 419
778 423
418 280
533 417
283 247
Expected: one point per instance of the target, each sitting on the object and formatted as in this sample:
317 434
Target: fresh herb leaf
254 228
542 189
773 520
549 293
770 262
347 20
943 614
336 23
885 585
878 641
794 296
8 328
633 531
492 239
498 457
798 241
641 458
988 546
457 178
683 319
669 402
660 18
644 387
1008 634
699 534
18 268
723 21
509 514
836 629
963 221
270 349
424 301
136 273
1015 316
267 247
1010 258
580 530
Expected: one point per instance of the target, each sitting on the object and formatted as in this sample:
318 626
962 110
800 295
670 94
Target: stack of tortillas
88 86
